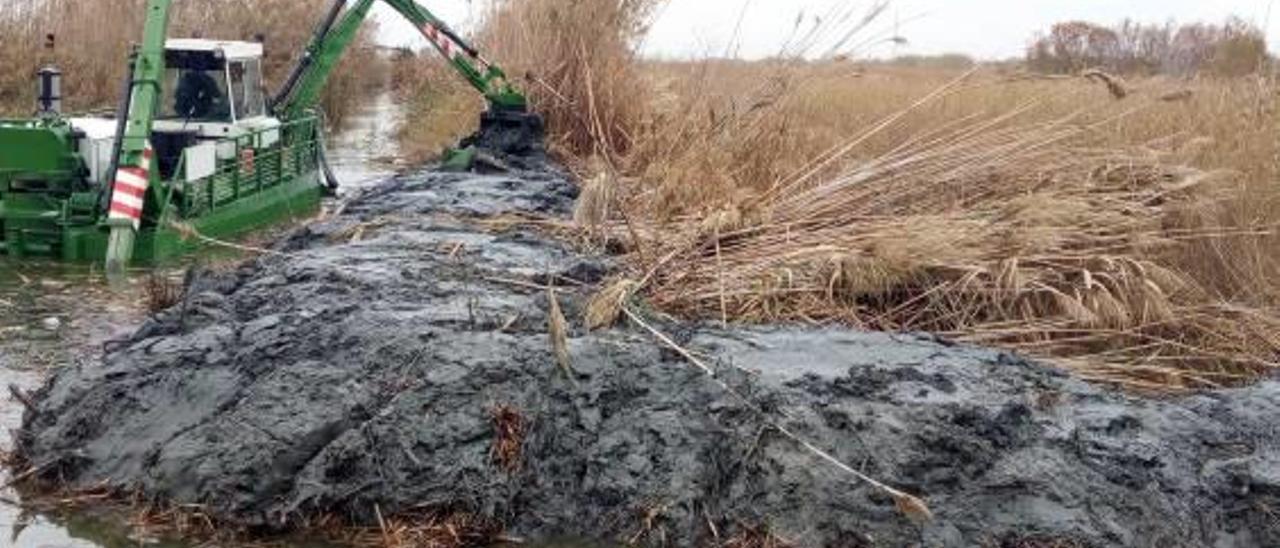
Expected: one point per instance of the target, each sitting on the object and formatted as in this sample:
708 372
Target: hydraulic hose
122 122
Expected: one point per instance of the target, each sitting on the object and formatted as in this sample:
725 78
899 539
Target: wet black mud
358 370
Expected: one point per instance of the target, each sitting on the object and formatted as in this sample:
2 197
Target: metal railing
253 169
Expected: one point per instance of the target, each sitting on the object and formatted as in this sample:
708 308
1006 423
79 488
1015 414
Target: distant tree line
1234 48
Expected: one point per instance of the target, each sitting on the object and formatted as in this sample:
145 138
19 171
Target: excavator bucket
510 132
503 132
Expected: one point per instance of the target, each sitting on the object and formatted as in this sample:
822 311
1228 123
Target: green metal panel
39 171
36 147
295 199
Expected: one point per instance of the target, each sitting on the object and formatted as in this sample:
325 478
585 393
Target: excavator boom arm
487 78
336 32
331 39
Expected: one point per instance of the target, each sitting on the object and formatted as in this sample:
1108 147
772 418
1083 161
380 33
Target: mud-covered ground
359 368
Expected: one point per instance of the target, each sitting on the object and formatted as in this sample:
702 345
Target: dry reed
558 334
1131 241
144 518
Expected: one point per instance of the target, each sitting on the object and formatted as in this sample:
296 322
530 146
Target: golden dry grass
1116 239
93 41
1123 229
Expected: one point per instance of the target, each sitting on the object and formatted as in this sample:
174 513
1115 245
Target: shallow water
366 150
53 315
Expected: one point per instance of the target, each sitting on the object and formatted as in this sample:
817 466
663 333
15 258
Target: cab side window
246 85
237 71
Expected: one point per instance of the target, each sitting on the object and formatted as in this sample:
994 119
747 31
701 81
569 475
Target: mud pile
360 368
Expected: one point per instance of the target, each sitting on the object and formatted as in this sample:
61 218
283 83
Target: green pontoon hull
290 201
50 209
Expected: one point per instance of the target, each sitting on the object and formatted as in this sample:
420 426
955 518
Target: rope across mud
394 359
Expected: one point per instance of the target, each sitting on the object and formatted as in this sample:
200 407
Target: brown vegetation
1131 240
144 518
757 536
578 59
509 430
429 530
161 292
93 39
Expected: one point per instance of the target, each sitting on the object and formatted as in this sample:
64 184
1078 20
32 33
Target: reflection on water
79 531
50 313
366 150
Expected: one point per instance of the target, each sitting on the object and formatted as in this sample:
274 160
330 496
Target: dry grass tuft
145 519
1115 84
558 334
187 521
596 202
161 292
428 530
756 536
605 307
912 508
510 428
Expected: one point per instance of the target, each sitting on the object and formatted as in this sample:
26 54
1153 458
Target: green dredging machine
197 144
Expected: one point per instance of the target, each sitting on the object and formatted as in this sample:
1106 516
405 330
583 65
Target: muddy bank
360 368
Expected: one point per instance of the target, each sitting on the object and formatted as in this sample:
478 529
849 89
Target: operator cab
212 91
212 84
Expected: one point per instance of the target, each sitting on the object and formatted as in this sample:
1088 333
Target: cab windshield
197 95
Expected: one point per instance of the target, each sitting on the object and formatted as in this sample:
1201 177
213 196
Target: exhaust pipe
49 92
49 85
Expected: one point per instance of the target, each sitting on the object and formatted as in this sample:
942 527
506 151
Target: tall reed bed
92 41
1129 239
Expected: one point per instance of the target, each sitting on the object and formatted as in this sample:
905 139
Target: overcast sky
986 29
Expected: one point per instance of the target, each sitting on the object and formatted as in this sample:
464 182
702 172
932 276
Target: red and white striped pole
129 193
